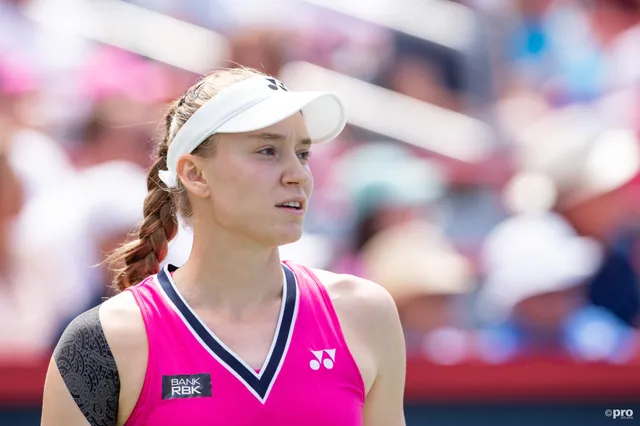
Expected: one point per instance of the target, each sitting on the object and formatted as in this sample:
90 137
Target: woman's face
251 175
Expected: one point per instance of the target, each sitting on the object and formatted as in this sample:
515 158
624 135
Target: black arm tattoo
88 369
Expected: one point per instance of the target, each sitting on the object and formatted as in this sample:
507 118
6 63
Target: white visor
254 104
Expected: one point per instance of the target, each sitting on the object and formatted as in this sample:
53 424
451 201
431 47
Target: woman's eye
267 151
304 155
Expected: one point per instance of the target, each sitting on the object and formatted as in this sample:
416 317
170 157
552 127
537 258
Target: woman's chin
287 236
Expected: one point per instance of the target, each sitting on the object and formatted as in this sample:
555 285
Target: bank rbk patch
186 386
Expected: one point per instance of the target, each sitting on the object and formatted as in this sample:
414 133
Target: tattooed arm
97 369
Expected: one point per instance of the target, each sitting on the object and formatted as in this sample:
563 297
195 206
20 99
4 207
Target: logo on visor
276 85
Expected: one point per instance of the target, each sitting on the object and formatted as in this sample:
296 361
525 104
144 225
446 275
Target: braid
137 259
141 257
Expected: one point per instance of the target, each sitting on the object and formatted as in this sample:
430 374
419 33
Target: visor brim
323 113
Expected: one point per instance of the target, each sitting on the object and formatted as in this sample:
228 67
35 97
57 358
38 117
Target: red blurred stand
533 380
22 381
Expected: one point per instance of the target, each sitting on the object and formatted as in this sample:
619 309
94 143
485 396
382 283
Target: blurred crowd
531 251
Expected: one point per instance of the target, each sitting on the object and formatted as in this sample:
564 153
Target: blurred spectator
62 237
123 96
413 76
616 25
585 171
534 297
113 73
263 50
38 161
118 129
384 184
571 51
549 47
428 280
11 201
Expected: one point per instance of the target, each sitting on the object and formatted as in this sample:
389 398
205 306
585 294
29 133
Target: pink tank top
309 377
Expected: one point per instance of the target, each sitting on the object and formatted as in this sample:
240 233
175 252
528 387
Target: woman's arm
82 385
98 367
371 325
58 406
384 404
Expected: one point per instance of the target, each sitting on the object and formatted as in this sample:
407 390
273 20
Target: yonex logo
327 361
186 386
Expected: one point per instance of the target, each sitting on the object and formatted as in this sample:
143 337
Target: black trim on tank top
261 382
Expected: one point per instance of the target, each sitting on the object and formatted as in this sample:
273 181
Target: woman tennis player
234 336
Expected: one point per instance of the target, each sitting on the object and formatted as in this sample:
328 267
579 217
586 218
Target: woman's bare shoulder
106 343
370 323
366 311
122 321
126 334
360 296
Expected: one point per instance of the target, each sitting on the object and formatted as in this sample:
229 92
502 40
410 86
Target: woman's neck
230 274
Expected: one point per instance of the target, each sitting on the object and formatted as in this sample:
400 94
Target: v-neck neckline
259 383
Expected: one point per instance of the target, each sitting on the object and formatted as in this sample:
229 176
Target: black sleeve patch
87 367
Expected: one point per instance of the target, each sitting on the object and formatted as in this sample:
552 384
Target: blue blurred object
615 285
590 334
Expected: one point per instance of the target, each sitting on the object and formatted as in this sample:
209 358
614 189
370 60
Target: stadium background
488 177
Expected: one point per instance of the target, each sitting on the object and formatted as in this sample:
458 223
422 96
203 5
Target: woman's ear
189 170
